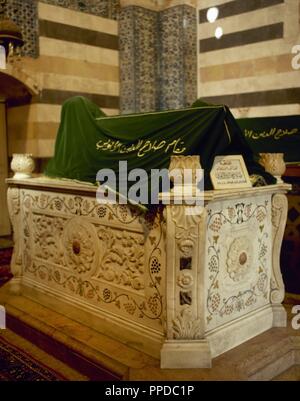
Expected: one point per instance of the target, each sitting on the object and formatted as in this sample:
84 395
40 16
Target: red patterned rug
5 258
16 365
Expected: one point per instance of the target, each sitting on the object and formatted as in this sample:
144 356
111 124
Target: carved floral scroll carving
96 252
185 326
186 224
47 236
122 259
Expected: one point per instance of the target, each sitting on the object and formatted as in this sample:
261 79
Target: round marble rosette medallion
239 258
80 239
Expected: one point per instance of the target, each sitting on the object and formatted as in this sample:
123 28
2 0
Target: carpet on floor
5 258
17 365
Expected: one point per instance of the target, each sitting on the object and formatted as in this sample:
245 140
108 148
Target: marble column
178 57
138 29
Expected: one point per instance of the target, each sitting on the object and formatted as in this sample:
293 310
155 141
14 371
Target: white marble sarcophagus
182 287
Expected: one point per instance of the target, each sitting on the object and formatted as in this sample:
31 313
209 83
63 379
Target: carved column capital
185 162
186 174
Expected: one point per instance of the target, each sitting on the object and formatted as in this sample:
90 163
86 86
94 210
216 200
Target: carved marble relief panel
238 258
111 256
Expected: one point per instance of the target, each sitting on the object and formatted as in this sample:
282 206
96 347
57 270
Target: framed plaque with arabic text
229 172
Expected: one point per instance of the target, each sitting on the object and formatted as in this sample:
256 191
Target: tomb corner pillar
279 217
14 210
185 344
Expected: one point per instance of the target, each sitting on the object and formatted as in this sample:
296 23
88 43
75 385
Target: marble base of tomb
181 287
272 355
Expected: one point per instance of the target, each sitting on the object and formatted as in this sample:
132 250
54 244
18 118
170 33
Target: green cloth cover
87 140
280 134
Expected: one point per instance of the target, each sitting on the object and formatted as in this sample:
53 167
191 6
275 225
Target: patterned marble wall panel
127 60
158 58
145 33
190 55
178 63
138 59
102 8
114 9
171 64
24 14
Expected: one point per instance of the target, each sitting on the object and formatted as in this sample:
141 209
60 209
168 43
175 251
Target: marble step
268 356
